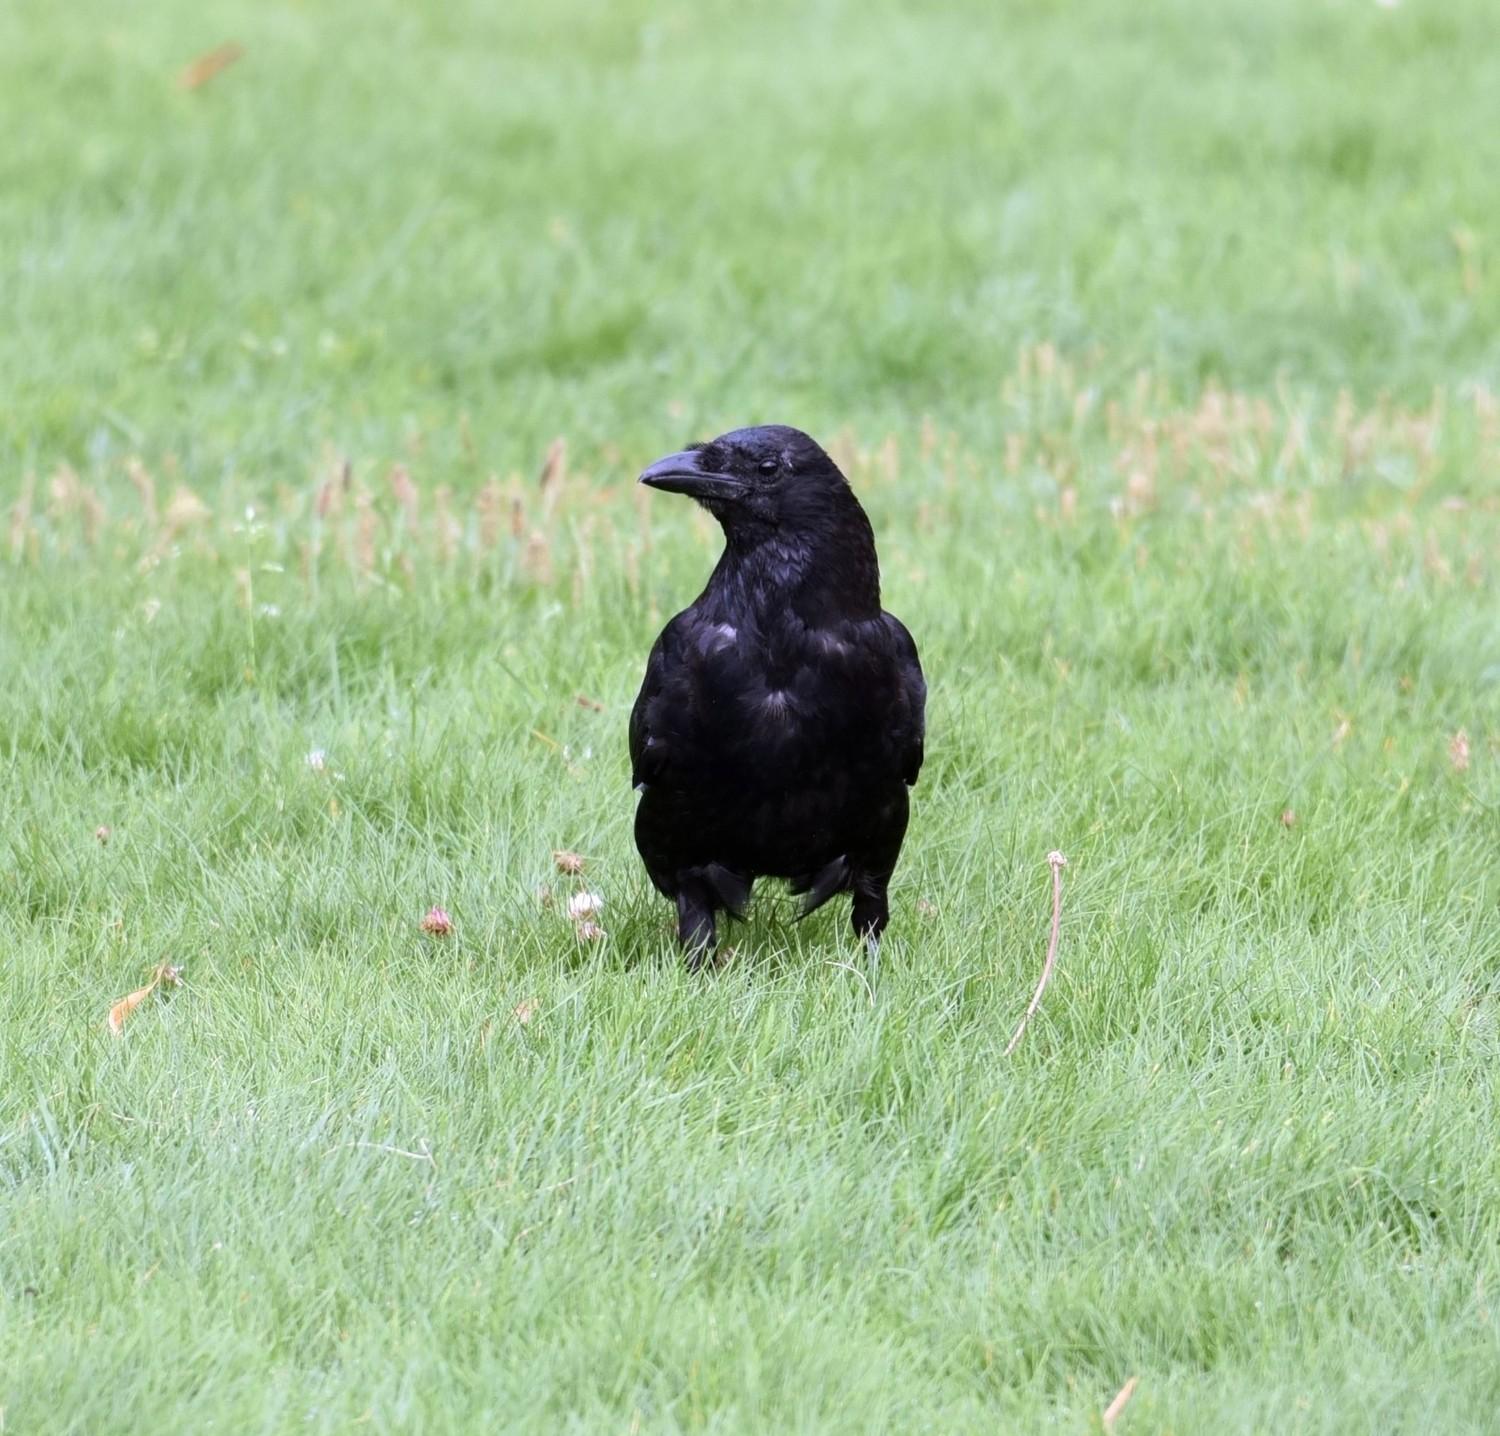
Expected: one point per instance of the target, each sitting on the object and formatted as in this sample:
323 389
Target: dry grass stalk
1015 452
20 516
1058 862
539 558
554 476
367 526
449 530
1115 1407
406 495
1223 455
489 505
145 488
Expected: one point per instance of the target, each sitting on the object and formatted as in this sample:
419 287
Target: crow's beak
681 474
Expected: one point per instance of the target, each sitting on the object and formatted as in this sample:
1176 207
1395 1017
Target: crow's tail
827 882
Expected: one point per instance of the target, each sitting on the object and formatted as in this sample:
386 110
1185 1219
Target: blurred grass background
620 220
1160 342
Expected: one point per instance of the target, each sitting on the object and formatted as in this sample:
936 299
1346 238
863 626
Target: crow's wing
910 726
648 749
640 715
873 669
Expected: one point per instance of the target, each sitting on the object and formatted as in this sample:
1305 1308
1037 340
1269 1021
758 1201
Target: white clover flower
585 905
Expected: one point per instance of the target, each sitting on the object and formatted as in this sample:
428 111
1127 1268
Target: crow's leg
873 868
695 922
871 910
872 875
870 913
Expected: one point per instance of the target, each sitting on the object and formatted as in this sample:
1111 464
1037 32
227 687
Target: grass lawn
1162 343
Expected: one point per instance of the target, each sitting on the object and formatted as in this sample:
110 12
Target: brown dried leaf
592 704
200 71
126 1005
165 975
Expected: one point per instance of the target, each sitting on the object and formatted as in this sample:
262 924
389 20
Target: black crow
781 719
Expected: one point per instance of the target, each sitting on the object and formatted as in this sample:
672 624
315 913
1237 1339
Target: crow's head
757 480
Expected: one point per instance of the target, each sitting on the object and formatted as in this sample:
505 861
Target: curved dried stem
1058 863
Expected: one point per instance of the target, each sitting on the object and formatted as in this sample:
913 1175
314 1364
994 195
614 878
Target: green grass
613 219
1233 649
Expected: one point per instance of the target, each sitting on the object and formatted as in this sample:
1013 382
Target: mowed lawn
1161 344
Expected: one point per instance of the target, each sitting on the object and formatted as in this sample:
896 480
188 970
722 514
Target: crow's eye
769 466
